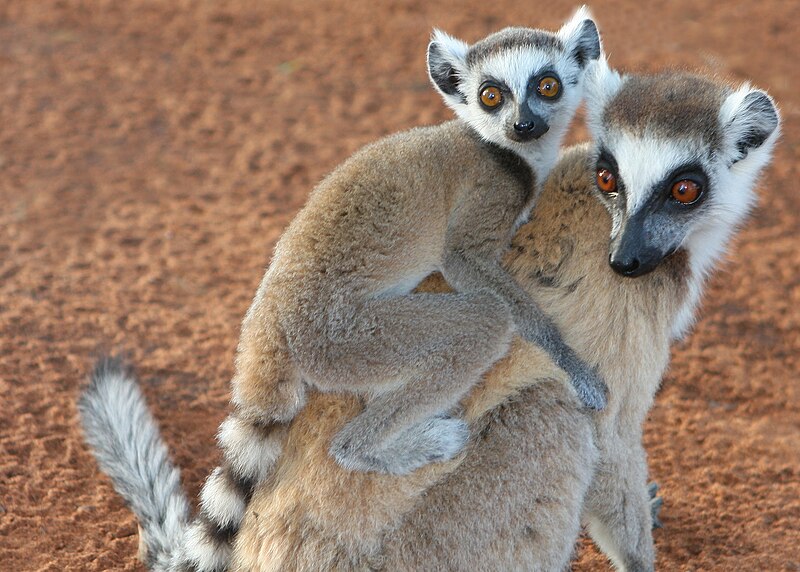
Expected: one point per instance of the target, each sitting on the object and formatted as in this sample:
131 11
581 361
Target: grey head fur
514 38
671 105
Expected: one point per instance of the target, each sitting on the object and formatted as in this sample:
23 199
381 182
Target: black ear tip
762 109
436 54
442 72
589 43
759 119
760 103
758 99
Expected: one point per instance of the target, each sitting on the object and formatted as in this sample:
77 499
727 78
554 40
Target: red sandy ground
152 151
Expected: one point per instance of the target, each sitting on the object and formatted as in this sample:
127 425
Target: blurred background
151 152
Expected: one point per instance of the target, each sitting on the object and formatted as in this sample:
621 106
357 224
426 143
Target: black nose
625 265
529 127
524 126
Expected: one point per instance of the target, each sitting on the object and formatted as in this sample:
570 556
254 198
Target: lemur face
676 159
518 87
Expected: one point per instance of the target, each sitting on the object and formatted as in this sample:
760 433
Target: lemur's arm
479 230
471 263
471 271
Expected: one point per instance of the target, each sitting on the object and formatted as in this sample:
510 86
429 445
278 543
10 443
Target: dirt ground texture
152 151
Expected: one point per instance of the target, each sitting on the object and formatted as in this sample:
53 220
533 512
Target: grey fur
128 447
436 439
509 39
671 105
656 502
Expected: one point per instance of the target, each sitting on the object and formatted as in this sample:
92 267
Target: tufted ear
447 64
601 86
750 125
581 38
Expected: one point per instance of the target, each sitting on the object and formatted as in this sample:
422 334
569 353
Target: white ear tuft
447 63
750 124
601 85
575 22
457 49
581 38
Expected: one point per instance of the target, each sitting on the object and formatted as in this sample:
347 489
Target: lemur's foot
434 440
656 502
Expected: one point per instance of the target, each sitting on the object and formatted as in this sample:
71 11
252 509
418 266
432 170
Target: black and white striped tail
250 452
128 447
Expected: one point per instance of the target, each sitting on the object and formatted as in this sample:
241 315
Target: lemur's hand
588 384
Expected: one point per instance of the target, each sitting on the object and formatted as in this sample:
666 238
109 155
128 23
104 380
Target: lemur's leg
416 356
619 508
266 386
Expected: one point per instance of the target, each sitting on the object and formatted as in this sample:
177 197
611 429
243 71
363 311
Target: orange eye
549 87
491 96
686 191
606 181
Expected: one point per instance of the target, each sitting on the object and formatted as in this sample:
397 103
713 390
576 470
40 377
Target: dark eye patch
693 172
607 160
535 79
499 83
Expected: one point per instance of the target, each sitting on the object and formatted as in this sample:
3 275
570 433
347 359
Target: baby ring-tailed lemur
335 308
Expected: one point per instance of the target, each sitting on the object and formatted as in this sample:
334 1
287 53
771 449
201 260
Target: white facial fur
514 67
646 157
648 160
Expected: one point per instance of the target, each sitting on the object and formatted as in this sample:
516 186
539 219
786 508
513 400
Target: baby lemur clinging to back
335 309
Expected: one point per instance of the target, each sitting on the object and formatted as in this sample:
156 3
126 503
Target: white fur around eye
645 161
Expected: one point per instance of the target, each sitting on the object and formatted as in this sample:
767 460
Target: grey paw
656 502
434 440
350 451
